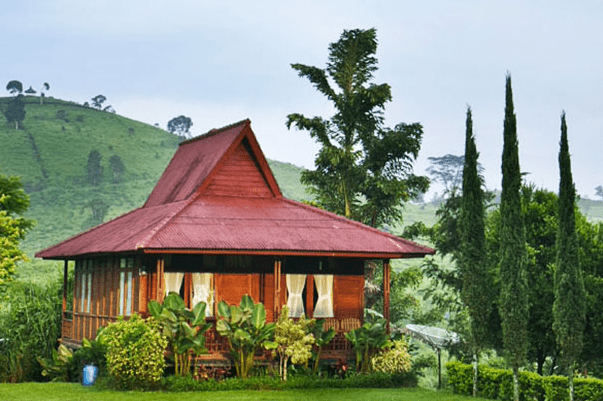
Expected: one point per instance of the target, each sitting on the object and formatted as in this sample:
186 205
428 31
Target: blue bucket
89 375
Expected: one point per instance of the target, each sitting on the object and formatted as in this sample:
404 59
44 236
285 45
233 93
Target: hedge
497 384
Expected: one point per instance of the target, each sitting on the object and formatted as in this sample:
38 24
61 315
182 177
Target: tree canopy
15 110
13 227
180 126
14 87
363 169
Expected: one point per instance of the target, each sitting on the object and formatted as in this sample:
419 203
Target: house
215 227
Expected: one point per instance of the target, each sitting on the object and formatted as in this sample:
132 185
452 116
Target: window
203 291
295 289
324 287
125 286
173 282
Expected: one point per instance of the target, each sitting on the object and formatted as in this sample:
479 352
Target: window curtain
173 282
295 288
203 292
324 288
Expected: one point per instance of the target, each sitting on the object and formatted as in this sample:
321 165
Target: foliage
15 111
245 327
135 349
448 170
184 329
366 341
117 168
98 100
322 337
472 263
599 191
570 298
30 324
99 209
94 169
514 290
363 169
497 384
14 87
394 360
56 368
180 126
292 340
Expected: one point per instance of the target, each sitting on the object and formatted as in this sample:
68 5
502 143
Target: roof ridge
215 131
358 224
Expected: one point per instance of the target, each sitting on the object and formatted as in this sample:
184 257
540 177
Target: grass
77 392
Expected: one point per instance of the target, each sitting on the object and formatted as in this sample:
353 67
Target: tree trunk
516 383
475 360
570 377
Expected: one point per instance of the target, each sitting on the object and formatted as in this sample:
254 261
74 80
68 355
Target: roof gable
216 157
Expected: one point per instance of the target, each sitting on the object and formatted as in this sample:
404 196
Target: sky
219 62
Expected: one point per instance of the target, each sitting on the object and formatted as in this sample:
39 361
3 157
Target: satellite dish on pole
436 338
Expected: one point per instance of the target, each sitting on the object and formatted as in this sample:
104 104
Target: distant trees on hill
94 170
117 168
180 126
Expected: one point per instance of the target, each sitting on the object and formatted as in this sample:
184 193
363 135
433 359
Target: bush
498 384
393 360
30 325
135 353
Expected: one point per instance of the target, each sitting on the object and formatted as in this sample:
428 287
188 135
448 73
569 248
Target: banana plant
245 327
367 340
184 328
323 337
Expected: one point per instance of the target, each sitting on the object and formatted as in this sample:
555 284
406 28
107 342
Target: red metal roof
184 214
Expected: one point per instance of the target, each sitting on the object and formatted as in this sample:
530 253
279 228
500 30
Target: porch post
386 290
65 278
277 288
159 284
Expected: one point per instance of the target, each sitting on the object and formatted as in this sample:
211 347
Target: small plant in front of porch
135 352
393 360
322 337
184 329
292 340
245 327
367 340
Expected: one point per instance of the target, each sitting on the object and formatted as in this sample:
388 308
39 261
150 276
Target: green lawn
77 392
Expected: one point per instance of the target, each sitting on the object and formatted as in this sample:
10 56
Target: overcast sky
220 62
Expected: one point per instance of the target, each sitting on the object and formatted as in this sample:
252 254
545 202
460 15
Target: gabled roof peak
226 161
215 131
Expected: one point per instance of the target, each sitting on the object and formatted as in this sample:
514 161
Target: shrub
367 340
393 360
497 384
135 353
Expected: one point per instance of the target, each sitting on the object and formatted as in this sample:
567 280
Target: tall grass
30 324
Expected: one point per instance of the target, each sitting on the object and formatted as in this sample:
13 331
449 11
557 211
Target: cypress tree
513 275
570 299
472 261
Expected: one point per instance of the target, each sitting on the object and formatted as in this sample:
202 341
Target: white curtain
202 291
173 282
324 288
295 288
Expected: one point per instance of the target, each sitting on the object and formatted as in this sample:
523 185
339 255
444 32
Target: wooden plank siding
239 176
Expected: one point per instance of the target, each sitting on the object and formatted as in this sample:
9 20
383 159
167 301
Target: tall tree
180 126
98 100
570 298
363 169
448 170
472 262
94 169
513 275
599 191
117 168
14 87
15 110
13 227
